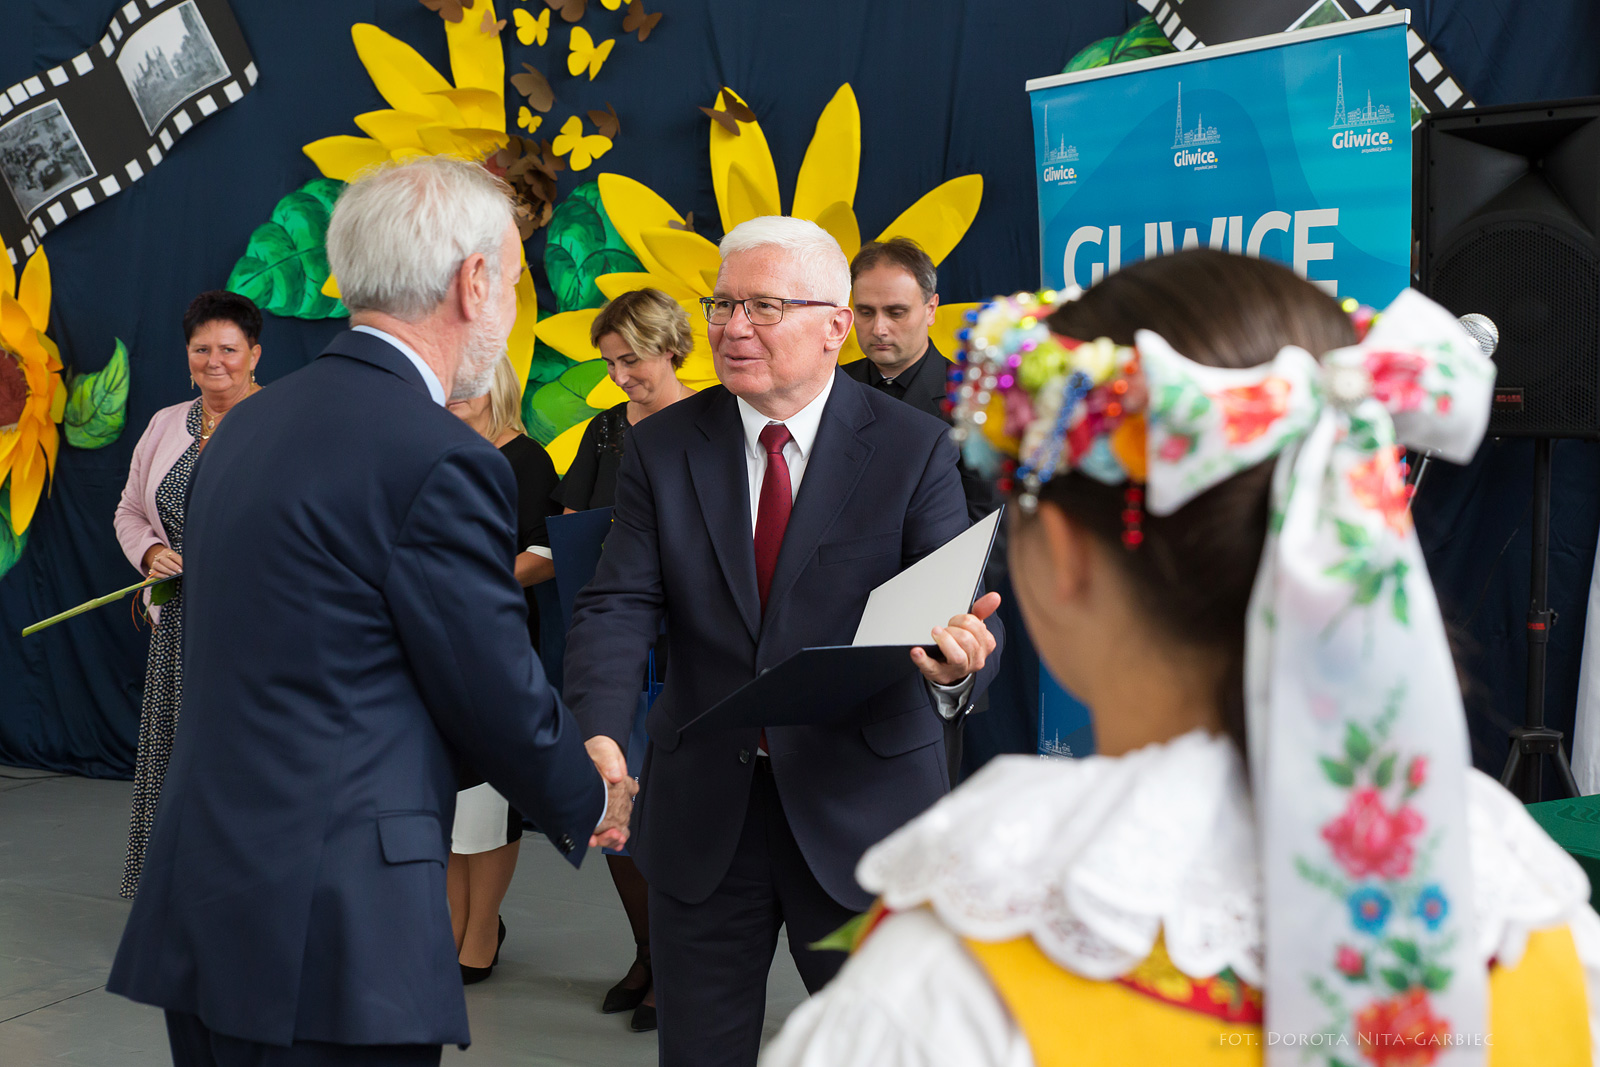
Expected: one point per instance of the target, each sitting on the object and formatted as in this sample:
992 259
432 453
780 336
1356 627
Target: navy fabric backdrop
940 88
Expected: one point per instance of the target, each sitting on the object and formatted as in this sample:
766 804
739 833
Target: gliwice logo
1190 146
1352 126
1056 160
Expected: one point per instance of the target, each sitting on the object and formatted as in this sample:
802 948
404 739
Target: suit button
564 843
744 755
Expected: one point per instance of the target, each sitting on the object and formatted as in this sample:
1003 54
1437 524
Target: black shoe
474 975
498 943
644 1019
623 997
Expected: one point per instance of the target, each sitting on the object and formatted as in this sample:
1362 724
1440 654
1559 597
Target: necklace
208 423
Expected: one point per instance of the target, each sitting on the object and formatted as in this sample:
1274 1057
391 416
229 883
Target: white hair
824 270
399 234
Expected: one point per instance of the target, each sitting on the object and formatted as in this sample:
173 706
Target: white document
905 609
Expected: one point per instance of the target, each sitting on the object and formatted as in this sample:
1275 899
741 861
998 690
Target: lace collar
1095 858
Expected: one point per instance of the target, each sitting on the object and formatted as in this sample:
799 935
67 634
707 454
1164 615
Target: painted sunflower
684 264
32 395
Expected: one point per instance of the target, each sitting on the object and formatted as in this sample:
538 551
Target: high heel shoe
644 1019
623 997
474 975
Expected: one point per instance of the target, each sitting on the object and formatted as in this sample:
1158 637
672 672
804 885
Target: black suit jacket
880 492
351 625
925 383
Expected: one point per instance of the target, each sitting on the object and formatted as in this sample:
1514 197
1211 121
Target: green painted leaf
1142 40
97 404
1338 773
1435 978
1397 979
1353 534
286 262
581 245
1400 604
1406 950
1357 745
562 404
1383 774
11 543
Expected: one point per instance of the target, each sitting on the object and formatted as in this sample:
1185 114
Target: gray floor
61 846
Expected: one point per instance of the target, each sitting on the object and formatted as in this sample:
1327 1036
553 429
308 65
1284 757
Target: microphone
1481 328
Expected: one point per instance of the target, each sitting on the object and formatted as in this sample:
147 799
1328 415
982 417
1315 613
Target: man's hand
620 791
966 644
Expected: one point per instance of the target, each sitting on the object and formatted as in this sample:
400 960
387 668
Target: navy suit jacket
352 632
880 491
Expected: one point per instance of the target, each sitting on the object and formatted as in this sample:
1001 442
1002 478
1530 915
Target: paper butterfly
528 120
532 30
611 5
449 10
640 20
491 27
571 10
585 53
581 149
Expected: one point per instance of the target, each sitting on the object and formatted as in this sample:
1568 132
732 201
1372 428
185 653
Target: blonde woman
644 337
488 831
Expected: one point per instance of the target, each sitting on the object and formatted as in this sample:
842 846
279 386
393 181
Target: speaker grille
1541 286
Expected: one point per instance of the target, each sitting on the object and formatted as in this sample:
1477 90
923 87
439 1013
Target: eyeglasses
760 310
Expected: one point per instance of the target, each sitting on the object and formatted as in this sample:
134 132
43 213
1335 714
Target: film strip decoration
1196 23
83 131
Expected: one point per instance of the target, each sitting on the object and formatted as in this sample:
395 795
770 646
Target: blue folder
575 543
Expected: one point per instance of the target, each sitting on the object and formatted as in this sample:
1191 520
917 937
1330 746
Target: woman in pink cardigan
221 330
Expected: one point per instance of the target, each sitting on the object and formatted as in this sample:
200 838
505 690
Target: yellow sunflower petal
699 371
52 361
519 346
565 447
58 401
632 208
50 441
394 129
478 107
744 199
940 219
614 285
568 333
839 219
748 149
8 446
27 481
33 293
685 256
477 59
466 142
833 160
342 158
8 276
16 329
400 74
331 288
605 394
947 321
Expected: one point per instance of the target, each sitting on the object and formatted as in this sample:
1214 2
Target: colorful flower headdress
1358 749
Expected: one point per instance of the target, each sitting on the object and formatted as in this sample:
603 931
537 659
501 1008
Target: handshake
620 791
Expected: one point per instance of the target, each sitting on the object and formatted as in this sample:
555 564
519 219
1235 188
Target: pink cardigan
137 521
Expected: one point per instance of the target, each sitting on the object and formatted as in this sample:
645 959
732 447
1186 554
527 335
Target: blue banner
1295 147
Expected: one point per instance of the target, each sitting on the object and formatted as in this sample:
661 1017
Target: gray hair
400 233
824 270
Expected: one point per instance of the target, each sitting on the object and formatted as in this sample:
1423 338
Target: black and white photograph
41 156
168 60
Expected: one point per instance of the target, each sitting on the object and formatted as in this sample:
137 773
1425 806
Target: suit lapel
722 485
838 457
927 388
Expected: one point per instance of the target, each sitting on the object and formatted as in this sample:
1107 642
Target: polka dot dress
163 679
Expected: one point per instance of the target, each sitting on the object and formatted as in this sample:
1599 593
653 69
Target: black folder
824 685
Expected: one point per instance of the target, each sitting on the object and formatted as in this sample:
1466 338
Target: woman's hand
162 562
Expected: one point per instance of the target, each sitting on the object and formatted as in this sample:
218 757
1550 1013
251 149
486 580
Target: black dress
536 482
591 481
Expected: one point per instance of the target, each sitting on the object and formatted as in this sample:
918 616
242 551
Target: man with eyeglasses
755 518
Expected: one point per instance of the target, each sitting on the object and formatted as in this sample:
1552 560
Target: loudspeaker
1509 212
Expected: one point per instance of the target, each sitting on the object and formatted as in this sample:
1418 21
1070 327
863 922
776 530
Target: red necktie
772 512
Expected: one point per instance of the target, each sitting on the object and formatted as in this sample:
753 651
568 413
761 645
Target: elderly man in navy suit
756 518
355 639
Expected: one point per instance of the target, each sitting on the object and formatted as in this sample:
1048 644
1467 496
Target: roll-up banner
1295 147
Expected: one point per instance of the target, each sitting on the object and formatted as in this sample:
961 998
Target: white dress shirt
803 426
430 379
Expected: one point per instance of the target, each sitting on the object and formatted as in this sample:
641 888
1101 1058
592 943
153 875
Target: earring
192 383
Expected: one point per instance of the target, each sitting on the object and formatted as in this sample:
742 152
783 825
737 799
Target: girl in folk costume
1281 853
